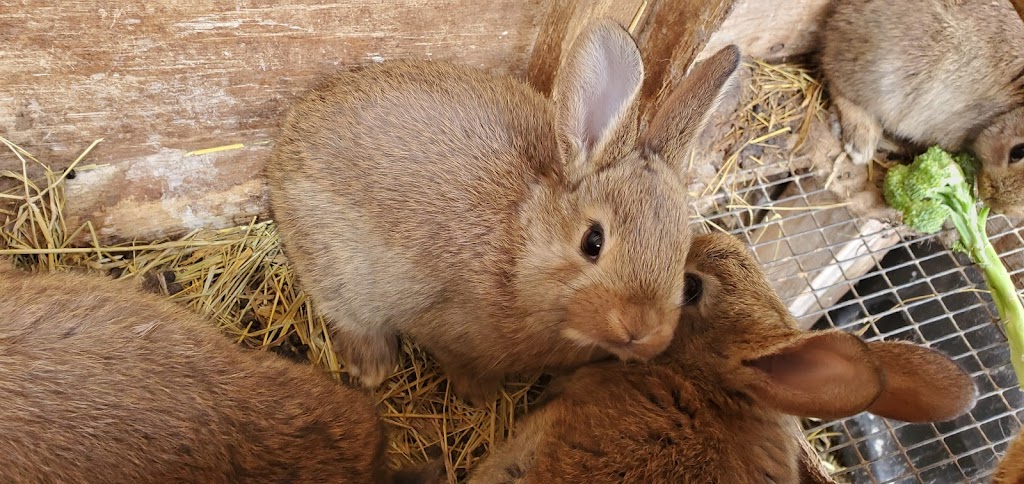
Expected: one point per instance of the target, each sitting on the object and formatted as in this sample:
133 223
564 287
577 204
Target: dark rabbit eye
593 240
1017 154
692 290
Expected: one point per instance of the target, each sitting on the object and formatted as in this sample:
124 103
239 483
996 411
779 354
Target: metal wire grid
920 292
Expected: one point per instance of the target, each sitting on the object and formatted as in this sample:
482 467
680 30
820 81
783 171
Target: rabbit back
396 186
668 432
102 383
930 71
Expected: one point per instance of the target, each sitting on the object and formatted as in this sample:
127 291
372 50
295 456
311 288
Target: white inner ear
605 103
610 71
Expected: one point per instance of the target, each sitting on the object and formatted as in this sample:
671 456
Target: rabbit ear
683 116
594 91
921 385
826 374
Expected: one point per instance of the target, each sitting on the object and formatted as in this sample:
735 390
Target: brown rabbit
718 405
1011 467
946 72
100 382
502 231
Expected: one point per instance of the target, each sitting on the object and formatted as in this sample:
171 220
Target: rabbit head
1000 149
738 332
607 238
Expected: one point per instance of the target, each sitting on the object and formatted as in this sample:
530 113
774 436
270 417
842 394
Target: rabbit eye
593 240
1017 153
692 290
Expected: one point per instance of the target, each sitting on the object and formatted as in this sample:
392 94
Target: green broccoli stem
1004 294
975 242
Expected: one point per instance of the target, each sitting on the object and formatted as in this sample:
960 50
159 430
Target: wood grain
672 36
771 30
563 21
161 79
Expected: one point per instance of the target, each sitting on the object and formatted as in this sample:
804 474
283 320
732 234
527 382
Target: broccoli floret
918 190
968 165
937 187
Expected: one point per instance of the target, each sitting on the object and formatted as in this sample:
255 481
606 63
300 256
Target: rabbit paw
861 131
369 358
475 390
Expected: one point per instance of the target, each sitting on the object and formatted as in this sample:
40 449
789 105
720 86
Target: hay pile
239 278
777 125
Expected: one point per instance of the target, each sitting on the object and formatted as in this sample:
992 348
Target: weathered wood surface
161 79
669 34
673 34
771 30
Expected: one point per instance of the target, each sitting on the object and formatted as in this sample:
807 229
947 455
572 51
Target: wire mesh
837 271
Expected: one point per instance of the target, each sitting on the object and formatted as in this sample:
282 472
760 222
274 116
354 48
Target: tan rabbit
502 231
100 382
1011 467
946 72
718 405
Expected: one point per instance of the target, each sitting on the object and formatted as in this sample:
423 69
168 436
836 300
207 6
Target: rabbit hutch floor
766 175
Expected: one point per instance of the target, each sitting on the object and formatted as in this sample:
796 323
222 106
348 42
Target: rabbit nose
623 329
638 333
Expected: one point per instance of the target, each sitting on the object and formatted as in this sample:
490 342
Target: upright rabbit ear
594 91
826 374
683 116
921 385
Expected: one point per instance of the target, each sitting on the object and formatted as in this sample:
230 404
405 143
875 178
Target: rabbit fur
1010 469
452 206
102 382
719 404
933 72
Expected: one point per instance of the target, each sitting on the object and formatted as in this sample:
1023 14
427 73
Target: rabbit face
1000 149
626 297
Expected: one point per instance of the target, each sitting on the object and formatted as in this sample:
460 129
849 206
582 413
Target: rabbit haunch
502 231
719 404
933 72
104 383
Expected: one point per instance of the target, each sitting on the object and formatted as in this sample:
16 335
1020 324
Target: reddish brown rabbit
1011 467
502 231
718 405
103 383
946 72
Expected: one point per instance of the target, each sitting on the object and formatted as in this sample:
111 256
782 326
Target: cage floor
914 290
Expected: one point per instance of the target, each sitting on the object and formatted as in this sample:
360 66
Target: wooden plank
815 257
562 23
160 79
672 35
771 30
669 34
